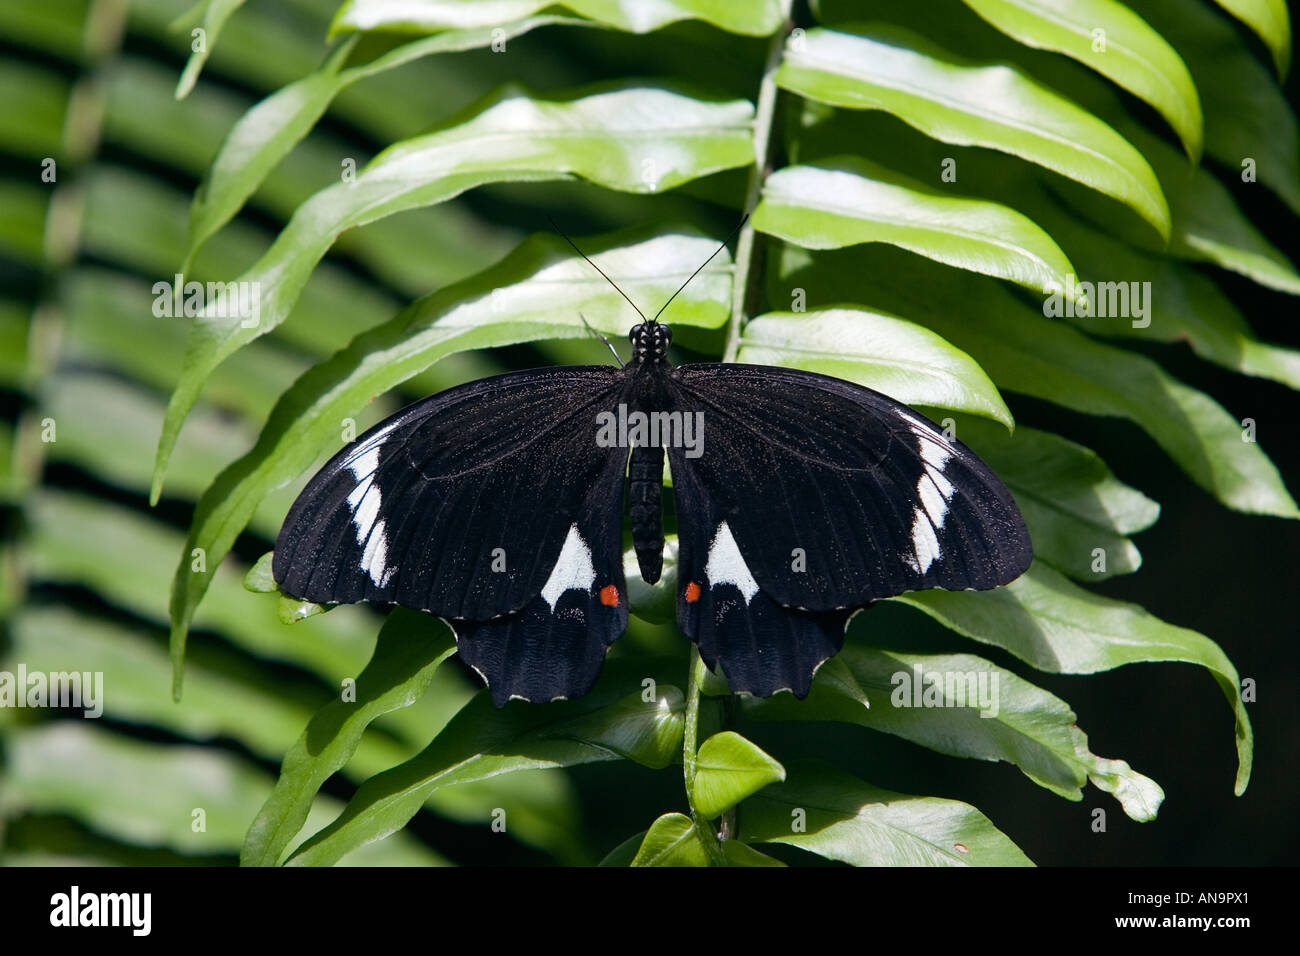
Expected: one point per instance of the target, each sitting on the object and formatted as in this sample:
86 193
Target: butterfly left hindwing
815 497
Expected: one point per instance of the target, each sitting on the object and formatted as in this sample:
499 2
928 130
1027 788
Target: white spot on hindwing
365 502
727 566
573 568
933 490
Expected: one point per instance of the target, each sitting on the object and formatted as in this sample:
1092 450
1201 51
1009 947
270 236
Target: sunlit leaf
1070 500
905 361
1106 36
965 706
1208 224
203 39
672 840
757 18
1270 20
828 812
267 133
729 769
1000 107
841 202
1060 628
482 742
409 649
1247 115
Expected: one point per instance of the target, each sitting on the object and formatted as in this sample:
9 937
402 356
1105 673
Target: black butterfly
498 506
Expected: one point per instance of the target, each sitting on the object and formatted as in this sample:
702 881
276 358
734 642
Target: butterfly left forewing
491 505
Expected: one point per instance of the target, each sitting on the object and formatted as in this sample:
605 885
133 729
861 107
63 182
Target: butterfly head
650 342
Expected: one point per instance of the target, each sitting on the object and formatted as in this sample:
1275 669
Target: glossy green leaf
672 840
647 731
907 362
1060 628
260 579
1208 226
840 202
999 107
966 706
1027 353
215 15
730 768
1183 304
756 18
828 812
635 139
269 131
537 292
835 678
1268 18
291 610
409 649
1070 500
1247 114
1106 36
482 742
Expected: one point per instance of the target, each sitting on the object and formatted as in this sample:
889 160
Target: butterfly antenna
743 219
594 266
598 335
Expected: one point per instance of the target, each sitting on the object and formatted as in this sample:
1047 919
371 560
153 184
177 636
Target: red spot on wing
692 592
609 596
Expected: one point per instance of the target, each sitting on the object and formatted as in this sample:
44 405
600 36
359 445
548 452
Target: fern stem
743 288
690 754
744 274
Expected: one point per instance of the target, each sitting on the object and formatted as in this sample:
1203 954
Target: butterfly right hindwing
762 647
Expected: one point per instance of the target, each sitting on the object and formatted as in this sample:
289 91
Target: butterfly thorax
650 341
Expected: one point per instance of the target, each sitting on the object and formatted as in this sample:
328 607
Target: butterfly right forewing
838 495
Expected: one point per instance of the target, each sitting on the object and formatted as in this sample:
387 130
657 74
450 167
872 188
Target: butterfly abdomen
645 505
